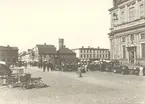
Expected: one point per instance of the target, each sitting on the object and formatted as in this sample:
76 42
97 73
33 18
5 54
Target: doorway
132 54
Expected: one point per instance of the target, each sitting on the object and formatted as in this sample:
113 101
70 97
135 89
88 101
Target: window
87 56
124 52
84 55
92 51
81 55
122 15
131 14
132 37
143 50
94 56
142 10
98 56
82 51
123 39
142 35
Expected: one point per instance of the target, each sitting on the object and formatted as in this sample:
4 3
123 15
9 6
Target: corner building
127 32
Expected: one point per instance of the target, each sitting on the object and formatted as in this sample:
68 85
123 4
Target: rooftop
8 48
46 49
65 51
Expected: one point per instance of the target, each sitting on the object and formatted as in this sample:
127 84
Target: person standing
48 66
80 70
44 66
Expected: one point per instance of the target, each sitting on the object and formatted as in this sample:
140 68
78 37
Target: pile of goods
20 79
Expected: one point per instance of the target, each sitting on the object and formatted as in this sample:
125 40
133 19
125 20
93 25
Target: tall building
61 43
127 36
89 53
65 55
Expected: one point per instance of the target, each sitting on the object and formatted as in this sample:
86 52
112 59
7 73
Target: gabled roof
8 48
46 49
65 51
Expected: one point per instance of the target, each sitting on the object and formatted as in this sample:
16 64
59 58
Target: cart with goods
24 80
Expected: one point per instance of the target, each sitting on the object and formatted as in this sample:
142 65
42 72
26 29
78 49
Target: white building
92 53
127 36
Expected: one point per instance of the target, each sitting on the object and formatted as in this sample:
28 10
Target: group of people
46 65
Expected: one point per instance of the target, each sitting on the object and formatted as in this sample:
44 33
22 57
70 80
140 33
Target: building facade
65 55
9 54
44 52
127 36
87 54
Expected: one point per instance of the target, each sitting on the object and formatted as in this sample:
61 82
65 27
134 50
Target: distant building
26 56
127 36
44 52
9 54
89 53
66 55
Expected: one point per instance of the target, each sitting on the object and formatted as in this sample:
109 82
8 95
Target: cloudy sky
25 23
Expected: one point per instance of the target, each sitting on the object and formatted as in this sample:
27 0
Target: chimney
88 46
44 43
61 43
82 46
98 47
8 46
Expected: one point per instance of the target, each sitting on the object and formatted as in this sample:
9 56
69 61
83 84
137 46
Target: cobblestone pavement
67 88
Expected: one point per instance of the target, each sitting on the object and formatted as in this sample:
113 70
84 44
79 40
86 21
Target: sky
25 23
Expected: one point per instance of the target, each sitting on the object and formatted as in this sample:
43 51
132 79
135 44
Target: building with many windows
89 53
127 36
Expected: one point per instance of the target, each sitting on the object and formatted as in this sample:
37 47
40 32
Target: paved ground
67 88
